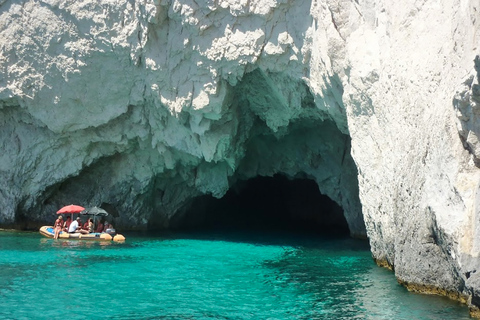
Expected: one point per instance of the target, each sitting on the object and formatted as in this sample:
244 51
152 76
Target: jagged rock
142 107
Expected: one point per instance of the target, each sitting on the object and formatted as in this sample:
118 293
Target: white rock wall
147 104
417 182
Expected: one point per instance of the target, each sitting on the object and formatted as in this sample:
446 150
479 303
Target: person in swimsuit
99 227
67 224
90 225
58 227
85 225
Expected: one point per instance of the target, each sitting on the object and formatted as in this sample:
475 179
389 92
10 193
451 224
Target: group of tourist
77 227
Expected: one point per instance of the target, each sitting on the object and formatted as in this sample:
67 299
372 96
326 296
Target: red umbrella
71 209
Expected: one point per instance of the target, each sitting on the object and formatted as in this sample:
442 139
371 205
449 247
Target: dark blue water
204 276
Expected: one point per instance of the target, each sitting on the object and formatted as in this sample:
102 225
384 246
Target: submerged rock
142 107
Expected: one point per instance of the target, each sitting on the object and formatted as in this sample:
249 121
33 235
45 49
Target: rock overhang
175 73
253 137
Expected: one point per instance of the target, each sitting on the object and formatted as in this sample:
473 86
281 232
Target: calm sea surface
204 276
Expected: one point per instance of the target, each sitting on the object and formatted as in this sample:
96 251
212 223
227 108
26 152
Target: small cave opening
267 204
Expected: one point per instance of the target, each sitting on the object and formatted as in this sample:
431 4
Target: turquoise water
204 276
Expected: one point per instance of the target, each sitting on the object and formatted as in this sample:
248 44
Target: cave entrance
268 204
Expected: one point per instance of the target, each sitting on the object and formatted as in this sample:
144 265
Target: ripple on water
203 276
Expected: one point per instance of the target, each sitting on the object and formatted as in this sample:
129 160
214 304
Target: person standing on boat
58 227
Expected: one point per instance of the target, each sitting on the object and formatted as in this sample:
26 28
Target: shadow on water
260 237
345 283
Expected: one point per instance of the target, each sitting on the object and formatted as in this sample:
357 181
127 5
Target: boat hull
49 232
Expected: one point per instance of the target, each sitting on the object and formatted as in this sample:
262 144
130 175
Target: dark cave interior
267 204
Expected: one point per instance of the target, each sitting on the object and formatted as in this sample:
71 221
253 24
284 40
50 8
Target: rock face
143 106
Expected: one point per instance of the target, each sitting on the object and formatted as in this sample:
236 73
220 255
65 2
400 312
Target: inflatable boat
49 232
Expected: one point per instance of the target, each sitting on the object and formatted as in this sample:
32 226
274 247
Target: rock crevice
147 106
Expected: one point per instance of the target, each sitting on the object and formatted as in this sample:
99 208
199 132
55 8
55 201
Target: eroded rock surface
142 106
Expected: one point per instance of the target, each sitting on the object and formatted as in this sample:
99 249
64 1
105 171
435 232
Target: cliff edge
143 106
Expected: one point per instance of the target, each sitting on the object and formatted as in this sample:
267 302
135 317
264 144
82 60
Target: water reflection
65 243
345 284
329 277
205 278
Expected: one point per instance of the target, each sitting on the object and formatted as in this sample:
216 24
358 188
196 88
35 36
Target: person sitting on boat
75 226
85 225
67 224
90 225
58 227
108 228
99 227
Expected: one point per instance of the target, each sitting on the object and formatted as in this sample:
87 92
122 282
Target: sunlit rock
143 107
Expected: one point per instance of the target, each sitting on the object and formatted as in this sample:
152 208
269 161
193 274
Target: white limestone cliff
146 105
